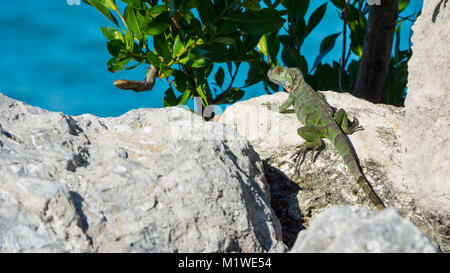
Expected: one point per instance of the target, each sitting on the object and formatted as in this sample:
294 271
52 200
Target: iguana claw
296 156
302 153
355 126
315 154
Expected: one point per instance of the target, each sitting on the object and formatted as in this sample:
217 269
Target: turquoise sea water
54 56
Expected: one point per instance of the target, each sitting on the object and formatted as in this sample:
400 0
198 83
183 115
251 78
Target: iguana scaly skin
320 121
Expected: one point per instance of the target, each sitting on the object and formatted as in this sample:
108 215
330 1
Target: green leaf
201 62
132 22
111 33
116 64
356 20
129 40
158 24
257 23
231 96
111 4
357 23
254 75
297 8
273 43
316 17
340 4
192 4
221 6
184 60
206 13
226 27
177 46
115 46
137 4
183 99
212 51
170 99
357 42
353 68
193 27
326 46
263 46
153 59
201 90
191 41
103 7
224 40
219 76
290 56
252 5
256 72
181 80
161 47
300 30
199 52
269 45
326 77
250 42
156 10
166 72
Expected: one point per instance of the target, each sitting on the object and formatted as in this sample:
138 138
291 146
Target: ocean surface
54 56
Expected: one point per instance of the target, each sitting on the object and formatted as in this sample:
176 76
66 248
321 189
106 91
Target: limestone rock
37 215
151 180
358 229
296 197
426 132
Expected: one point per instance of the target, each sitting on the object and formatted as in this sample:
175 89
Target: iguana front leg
280 108
313 136
343 122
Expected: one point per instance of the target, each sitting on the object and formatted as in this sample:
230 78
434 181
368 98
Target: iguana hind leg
313 136
343 122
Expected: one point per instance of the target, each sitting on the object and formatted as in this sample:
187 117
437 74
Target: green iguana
320 121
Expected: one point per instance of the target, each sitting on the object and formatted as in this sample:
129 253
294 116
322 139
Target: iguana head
284 76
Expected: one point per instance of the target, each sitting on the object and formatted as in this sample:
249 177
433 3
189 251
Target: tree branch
378 42
139 86
344 45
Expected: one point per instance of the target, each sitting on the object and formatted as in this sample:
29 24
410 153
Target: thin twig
344 46
407 18
349 51
139 86
233 76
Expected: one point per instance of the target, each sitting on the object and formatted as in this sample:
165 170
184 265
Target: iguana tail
347 152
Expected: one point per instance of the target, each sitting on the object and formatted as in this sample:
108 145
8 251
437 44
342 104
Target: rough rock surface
426 132
327 182
358 229
151 180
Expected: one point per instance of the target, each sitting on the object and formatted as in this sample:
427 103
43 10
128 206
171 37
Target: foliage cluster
181 40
